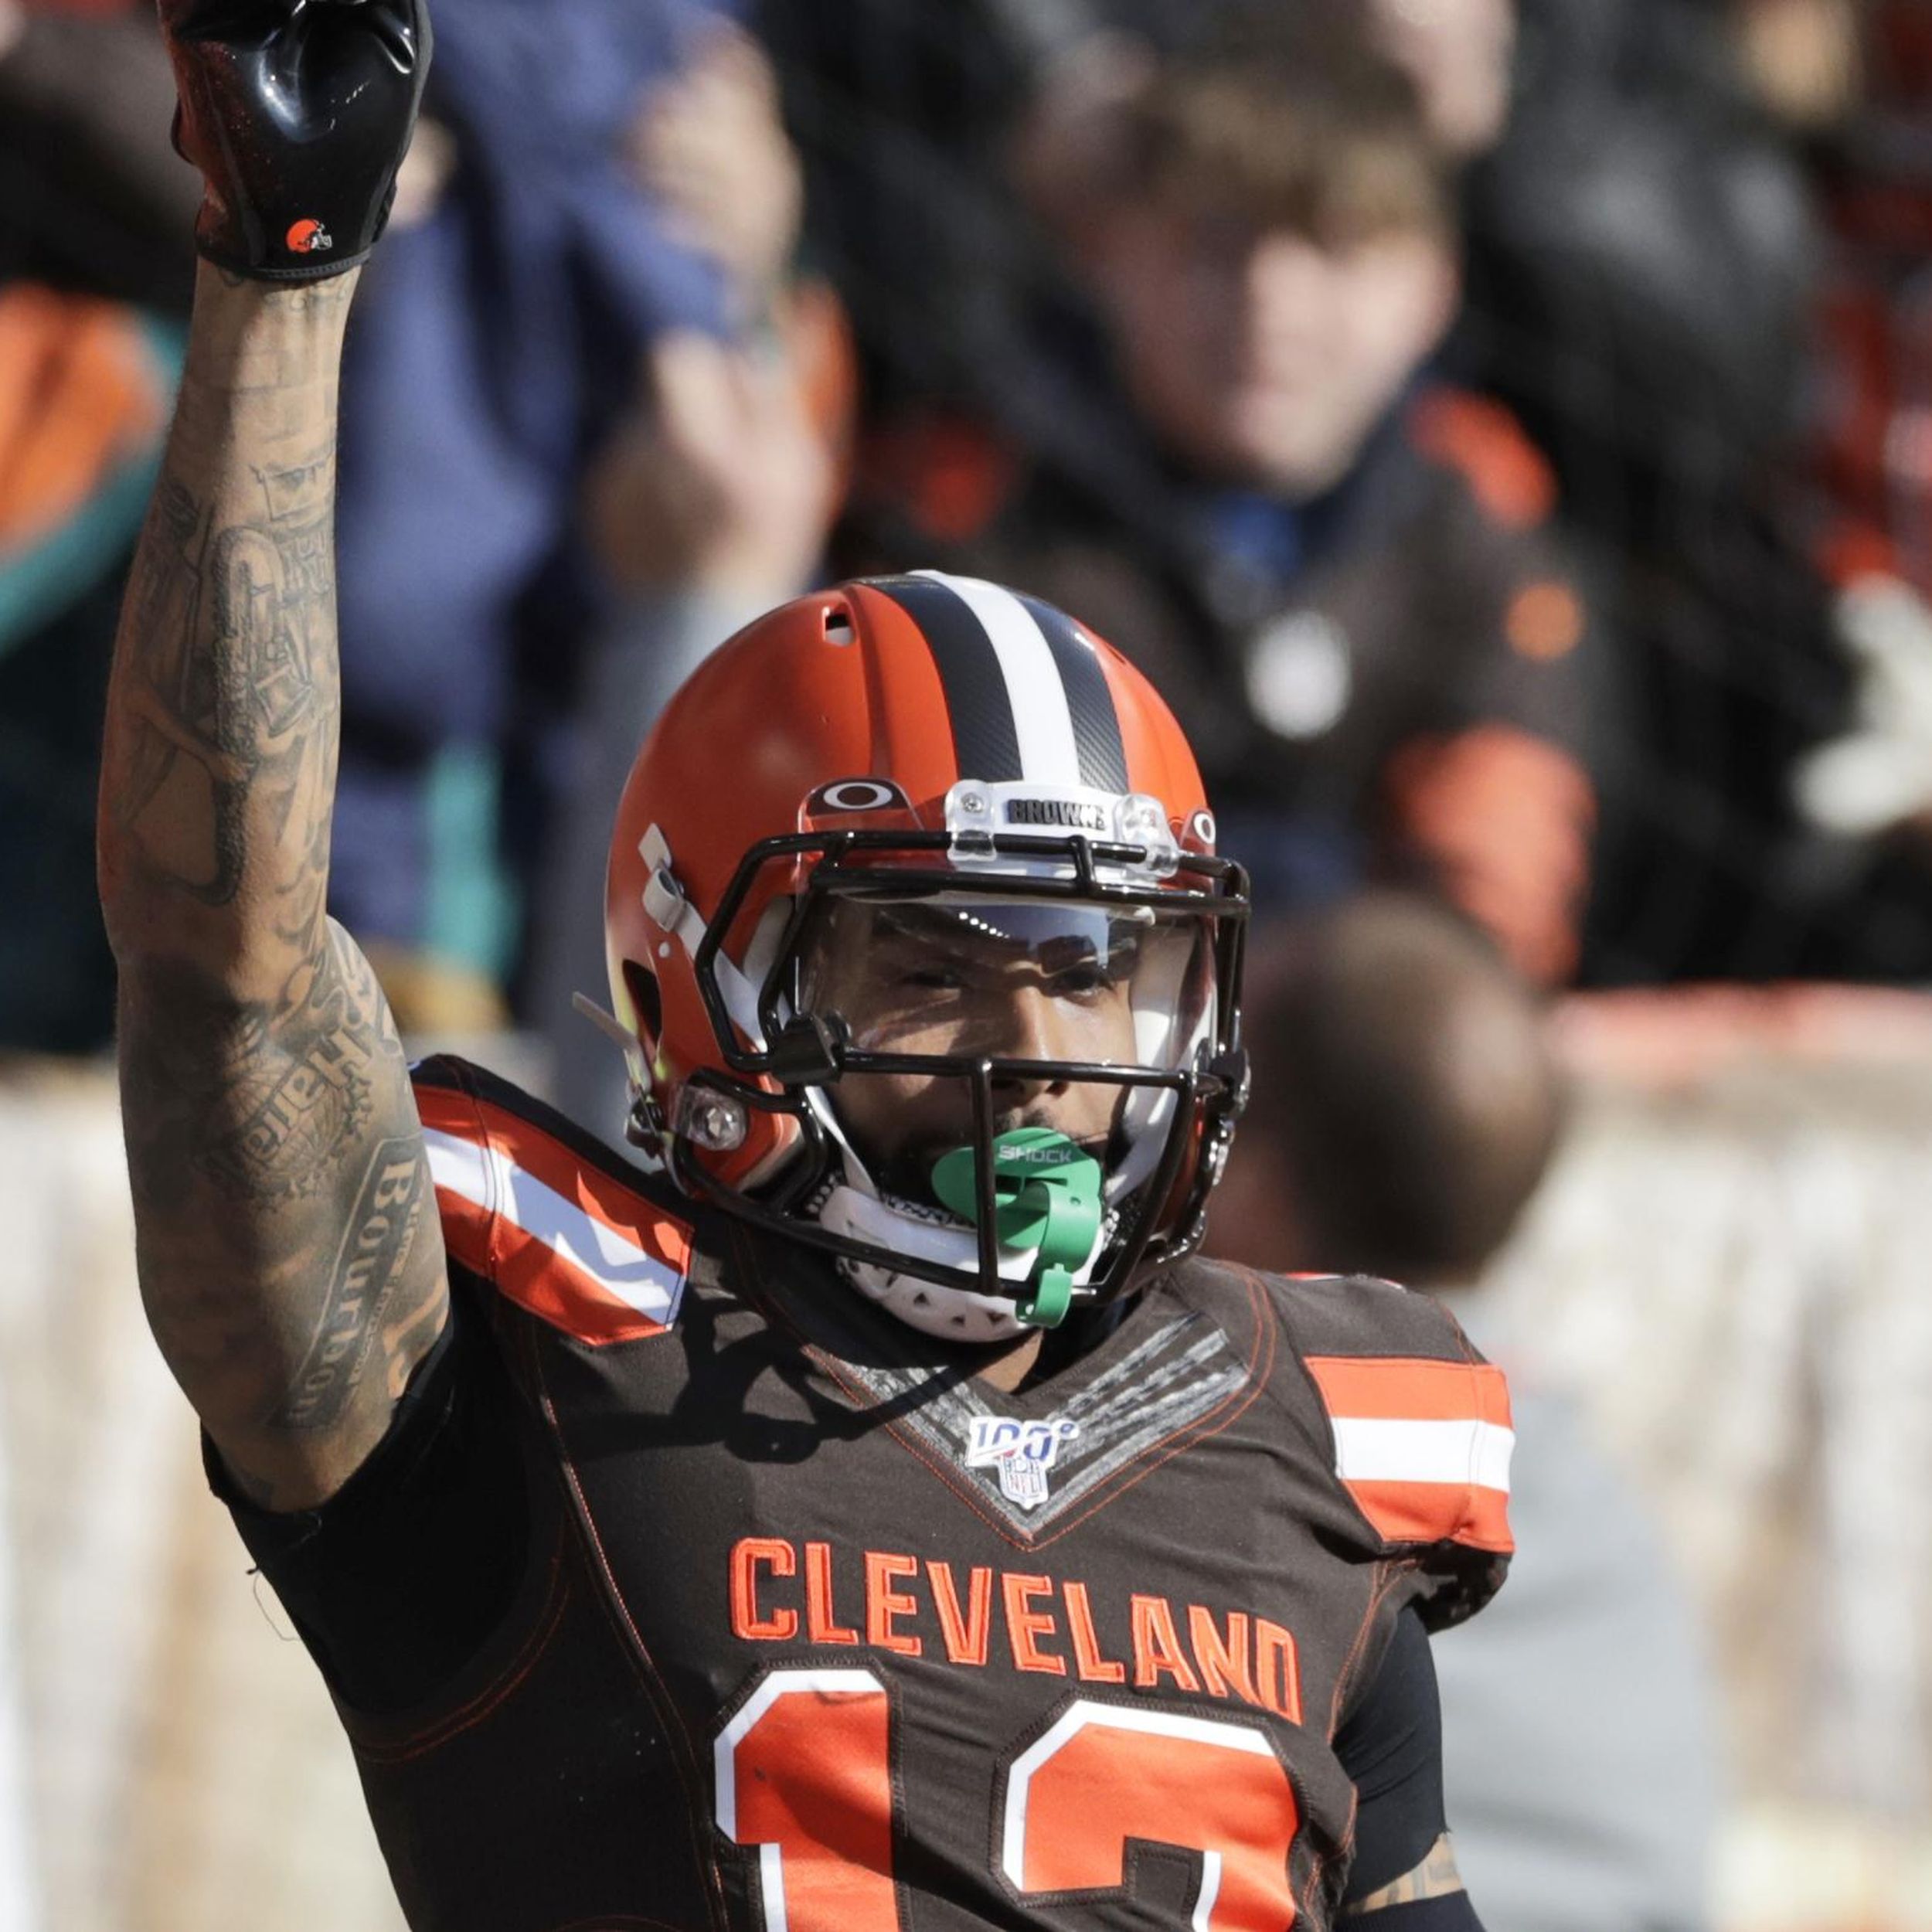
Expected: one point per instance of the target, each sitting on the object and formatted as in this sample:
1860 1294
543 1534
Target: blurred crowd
1501 428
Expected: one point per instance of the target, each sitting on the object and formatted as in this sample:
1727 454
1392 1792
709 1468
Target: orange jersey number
804 1775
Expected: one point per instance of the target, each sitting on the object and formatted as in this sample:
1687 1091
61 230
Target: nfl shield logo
1022 1452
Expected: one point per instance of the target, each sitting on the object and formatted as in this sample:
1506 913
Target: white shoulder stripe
1368 1449
615 1262
1042 721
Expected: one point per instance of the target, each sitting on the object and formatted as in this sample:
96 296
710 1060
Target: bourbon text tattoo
377 1239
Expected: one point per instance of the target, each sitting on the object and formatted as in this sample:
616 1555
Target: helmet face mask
1031 984
897 960
892 1001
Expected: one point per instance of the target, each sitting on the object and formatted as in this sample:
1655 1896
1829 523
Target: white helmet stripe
1042 719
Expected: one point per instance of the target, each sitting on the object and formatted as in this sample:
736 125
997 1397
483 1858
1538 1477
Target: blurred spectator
903 112
1460 54
709 506
93 197
1342 577
1872 785
550 234
95 212
1406 1105
1406 1101
711 152
1643 256
708 503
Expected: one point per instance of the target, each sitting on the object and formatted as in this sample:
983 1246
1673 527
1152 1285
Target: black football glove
298 114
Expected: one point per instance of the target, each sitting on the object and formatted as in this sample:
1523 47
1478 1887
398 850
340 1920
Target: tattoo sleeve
290 1258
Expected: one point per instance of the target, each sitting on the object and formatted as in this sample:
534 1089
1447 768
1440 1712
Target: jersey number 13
804 1774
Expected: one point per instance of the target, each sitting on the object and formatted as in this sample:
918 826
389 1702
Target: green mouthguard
1047 1197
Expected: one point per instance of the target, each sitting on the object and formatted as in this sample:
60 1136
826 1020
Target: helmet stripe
978 705
1097 725
1049 753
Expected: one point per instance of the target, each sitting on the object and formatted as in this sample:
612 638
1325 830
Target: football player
861 1510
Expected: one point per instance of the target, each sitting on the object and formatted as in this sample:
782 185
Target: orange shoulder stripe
1423 1447
562 1240
1412 1388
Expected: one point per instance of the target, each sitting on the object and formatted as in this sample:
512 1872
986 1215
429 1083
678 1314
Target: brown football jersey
820 1632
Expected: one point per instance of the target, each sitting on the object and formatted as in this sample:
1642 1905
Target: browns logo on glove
298 114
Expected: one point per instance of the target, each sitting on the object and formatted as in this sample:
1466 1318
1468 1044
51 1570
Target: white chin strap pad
953 1315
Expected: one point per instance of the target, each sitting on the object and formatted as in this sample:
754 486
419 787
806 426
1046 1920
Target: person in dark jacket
1342 575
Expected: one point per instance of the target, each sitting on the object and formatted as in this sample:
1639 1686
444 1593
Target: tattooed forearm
222 748
1436 1877
218 765
290 1258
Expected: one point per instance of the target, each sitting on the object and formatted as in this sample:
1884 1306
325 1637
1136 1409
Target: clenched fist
297 113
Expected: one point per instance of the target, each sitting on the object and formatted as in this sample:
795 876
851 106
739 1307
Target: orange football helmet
959 752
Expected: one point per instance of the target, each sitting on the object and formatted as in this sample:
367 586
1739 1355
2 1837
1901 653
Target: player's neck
1007 1372
1041 1353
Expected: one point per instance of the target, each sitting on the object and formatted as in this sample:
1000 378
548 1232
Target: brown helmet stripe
1097 726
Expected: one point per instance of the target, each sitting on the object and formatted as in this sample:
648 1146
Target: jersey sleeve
401 1577
414 1568
1390 1745
558 1224
1418 1431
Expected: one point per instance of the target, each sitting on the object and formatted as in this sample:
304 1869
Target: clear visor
1023 979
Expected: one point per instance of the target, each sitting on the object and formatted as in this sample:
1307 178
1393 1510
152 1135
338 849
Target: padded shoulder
558 1223
1419 1422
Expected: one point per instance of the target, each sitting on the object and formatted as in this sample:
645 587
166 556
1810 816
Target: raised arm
290 1259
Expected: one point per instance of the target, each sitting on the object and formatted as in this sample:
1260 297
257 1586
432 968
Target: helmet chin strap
854 1206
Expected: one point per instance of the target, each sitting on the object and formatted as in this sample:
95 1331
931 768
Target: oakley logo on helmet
856 794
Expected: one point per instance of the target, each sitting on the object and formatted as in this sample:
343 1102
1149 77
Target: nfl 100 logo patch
1021 1452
